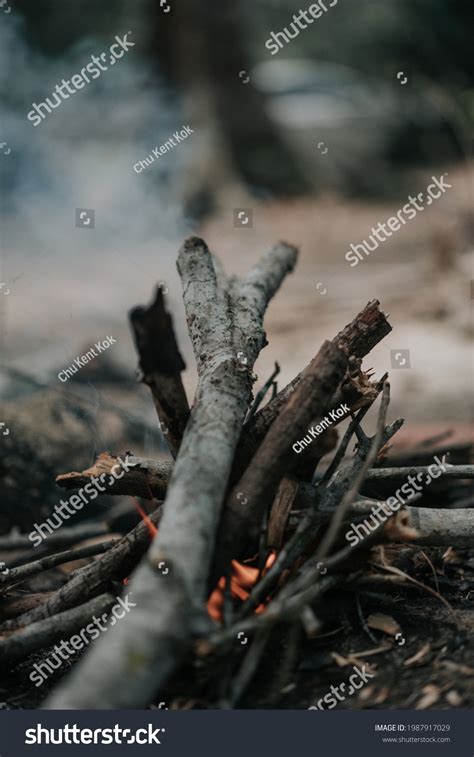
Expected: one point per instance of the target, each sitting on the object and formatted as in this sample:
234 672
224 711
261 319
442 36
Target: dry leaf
366 693
431 694
384 623
453 698
450 556
464 670
340 661
399 528
418 656
382 696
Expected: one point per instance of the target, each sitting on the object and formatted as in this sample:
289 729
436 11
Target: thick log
434 526
447 528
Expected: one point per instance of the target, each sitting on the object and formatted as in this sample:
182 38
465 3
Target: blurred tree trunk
201 48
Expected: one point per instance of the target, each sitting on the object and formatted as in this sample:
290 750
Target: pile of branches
235 490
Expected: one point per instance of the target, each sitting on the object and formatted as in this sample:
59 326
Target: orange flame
242 581
150 525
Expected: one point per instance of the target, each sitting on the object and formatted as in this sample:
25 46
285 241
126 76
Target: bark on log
449 528
280 512
256 489
46 632
13 607
24 572
367 329
161 365
61 538
434 526
395 474
147 478
146 646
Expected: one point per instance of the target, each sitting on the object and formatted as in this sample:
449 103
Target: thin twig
260 396
362 620
17 575
336 522
248 667
355 423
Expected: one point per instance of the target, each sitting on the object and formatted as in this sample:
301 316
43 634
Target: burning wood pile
245 537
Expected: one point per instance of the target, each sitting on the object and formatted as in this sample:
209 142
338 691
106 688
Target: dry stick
44 633
16 575
280 512
450 527
149 478
247 670
436 527
62 538
161 365
311 521
450 472
355 422
331 534
280 609
355 390
256 489
115 564
304 533
146 478
21 604
146 647
358 338
304 587
260 396
313 569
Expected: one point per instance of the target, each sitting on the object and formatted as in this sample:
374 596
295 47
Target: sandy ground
429 305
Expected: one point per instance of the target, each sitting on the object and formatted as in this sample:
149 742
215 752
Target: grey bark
46 632
161 365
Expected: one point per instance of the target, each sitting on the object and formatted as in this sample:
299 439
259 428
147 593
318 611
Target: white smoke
71 285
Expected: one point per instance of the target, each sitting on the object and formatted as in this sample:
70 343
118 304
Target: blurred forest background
320 142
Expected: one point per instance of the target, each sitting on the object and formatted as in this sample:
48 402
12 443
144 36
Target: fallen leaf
431 694
464 670
453 698
382 696
340 661
384 623
418 656
366 693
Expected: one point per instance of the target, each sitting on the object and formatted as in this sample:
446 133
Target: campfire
262 518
